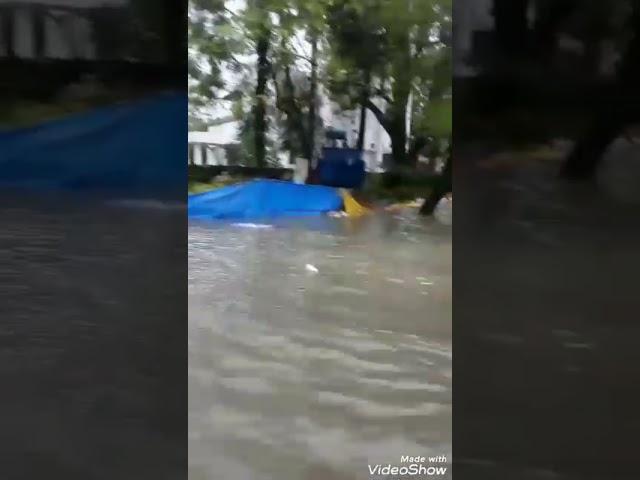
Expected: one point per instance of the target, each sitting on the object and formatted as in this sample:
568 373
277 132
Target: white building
377 142
206 148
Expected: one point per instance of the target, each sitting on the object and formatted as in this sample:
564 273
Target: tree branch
378 92
274 77
233 14
286 103
301 57
382 118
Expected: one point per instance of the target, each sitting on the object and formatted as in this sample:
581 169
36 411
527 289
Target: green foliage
384 49
393 50
214 41
246 137
437 119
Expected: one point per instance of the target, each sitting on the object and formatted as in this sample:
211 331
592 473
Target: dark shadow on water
545 330
91 363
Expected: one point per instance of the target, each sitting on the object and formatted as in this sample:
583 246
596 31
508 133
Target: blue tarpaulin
139 146
264 199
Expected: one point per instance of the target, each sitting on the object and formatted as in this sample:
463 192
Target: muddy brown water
297 373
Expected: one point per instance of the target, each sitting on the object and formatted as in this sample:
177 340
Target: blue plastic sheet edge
263 200
138 148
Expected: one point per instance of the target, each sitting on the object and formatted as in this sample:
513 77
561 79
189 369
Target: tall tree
358 55
407 40
258 21
297 71
214 40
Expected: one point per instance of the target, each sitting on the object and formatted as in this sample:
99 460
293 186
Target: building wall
376 143
203 154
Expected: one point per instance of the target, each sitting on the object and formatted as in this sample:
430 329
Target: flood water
546 351
318 350
92 349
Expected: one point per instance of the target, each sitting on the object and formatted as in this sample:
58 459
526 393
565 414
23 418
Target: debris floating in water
252 225
310 268
399 281
338 214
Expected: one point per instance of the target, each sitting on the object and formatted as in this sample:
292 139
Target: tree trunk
401 91
286 102
363 111
260 110
313 95
398 136
443 186
395 120
395 124
362 127
418 144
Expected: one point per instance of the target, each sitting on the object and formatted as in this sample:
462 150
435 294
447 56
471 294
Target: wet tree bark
394 118
260 109
362 129
313 94
398 136
417 145
287 103
443 186
401 90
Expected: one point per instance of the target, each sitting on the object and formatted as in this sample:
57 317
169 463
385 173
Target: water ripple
295 375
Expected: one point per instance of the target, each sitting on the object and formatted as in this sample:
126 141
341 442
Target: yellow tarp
351 207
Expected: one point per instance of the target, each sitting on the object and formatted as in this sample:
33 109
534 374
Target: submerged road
318 373
546 355
92 351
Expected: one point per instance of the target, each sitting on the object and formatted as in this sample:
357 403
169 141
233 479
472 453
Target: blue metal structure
341 167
